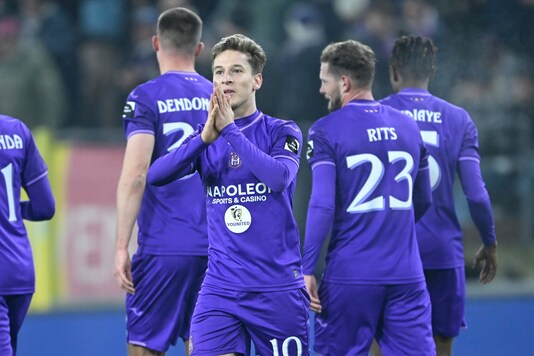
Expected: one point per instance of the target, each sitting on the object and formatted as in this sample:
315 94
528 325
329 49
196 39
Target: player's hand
210 133
488 254
225 114
123 271
311 286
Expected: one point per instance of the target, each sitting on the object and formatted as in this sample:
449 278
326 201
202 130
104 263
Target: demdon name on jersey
183 104
239 193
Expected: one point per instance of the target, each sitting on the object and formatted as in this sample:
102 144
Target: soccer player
248 161
21 166
370 181
452 142
163 279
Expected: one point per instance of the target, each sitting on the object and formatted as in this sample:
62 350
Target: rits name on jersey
381 133
424 115
11 142
183 104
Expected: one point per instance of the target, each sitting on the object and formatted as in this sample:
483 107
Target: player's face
233 72
330 87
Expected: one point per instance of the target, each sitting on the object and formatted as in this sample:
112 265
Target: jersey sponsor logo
292 144
237 219
234 161
183 104
424 115
129 110
11 142
240 193
309 149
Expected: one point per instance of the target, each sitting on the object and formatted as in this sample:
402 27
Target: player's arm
422 190
319 221
181 161
130 190
277 173
41 204
479 204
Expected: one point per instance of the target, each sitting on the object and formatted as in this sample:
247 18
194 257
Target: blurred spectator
45 21
102 28
140 65
30 85
297 65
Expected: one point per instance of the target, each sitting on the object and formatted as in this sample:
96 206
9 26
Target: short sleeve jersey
21 165
172 219
254 239
377 153
450 136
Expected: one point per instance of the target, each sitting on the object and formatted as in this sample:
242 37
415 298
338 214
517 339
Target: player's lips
228 92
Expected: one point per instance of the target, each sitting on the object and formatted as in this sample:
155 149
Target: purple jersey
377 153
172 219
254 239
450 136
21 165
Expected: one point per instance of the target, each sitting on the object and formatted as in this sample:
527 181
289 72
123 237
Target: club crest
234 161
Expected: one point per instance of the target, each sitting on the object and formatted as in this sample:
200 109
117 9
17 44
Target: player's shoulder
9 124
278 124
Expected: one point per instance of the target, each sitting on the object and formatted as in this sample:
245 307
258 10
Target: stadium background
88 54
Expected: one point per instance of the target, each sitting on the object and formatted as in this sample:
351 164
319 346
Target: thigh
13 310
405 328
215 326
278 322
166 289
447 295
349 319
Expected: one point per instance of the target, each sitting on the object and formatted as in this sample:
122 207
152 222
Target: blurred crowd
71 63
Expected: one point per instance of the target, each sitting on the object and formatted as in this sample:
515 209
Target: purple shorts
166 289
447 295
225 321
398 316
13 309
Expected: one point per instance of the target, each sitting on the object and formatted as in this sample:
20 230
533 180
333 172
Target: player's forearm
422 193
178 163
321 210
129 197
478 200
41 204
277 174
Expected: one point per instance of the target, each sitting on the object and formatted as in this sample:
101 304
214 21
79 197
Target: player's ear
155 43
346 83
199 49
258 81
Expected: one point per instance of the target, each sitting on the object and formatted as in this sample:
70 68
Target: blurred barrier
74 252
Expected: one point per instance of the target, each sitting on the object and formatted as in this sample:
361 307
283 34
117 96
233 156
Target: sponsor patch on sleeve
292 144
129 109
309 149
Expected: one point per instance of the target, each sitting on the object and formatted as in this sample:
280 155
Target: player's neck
176 64
357 94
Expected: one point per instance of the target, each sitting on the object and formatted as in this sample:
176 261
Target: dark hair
414 57
179 28
241 43
353 59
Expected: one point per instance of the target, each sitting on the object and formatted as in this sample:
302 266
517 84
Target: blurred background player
254 288
21 166
164 277
452 142
370 181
